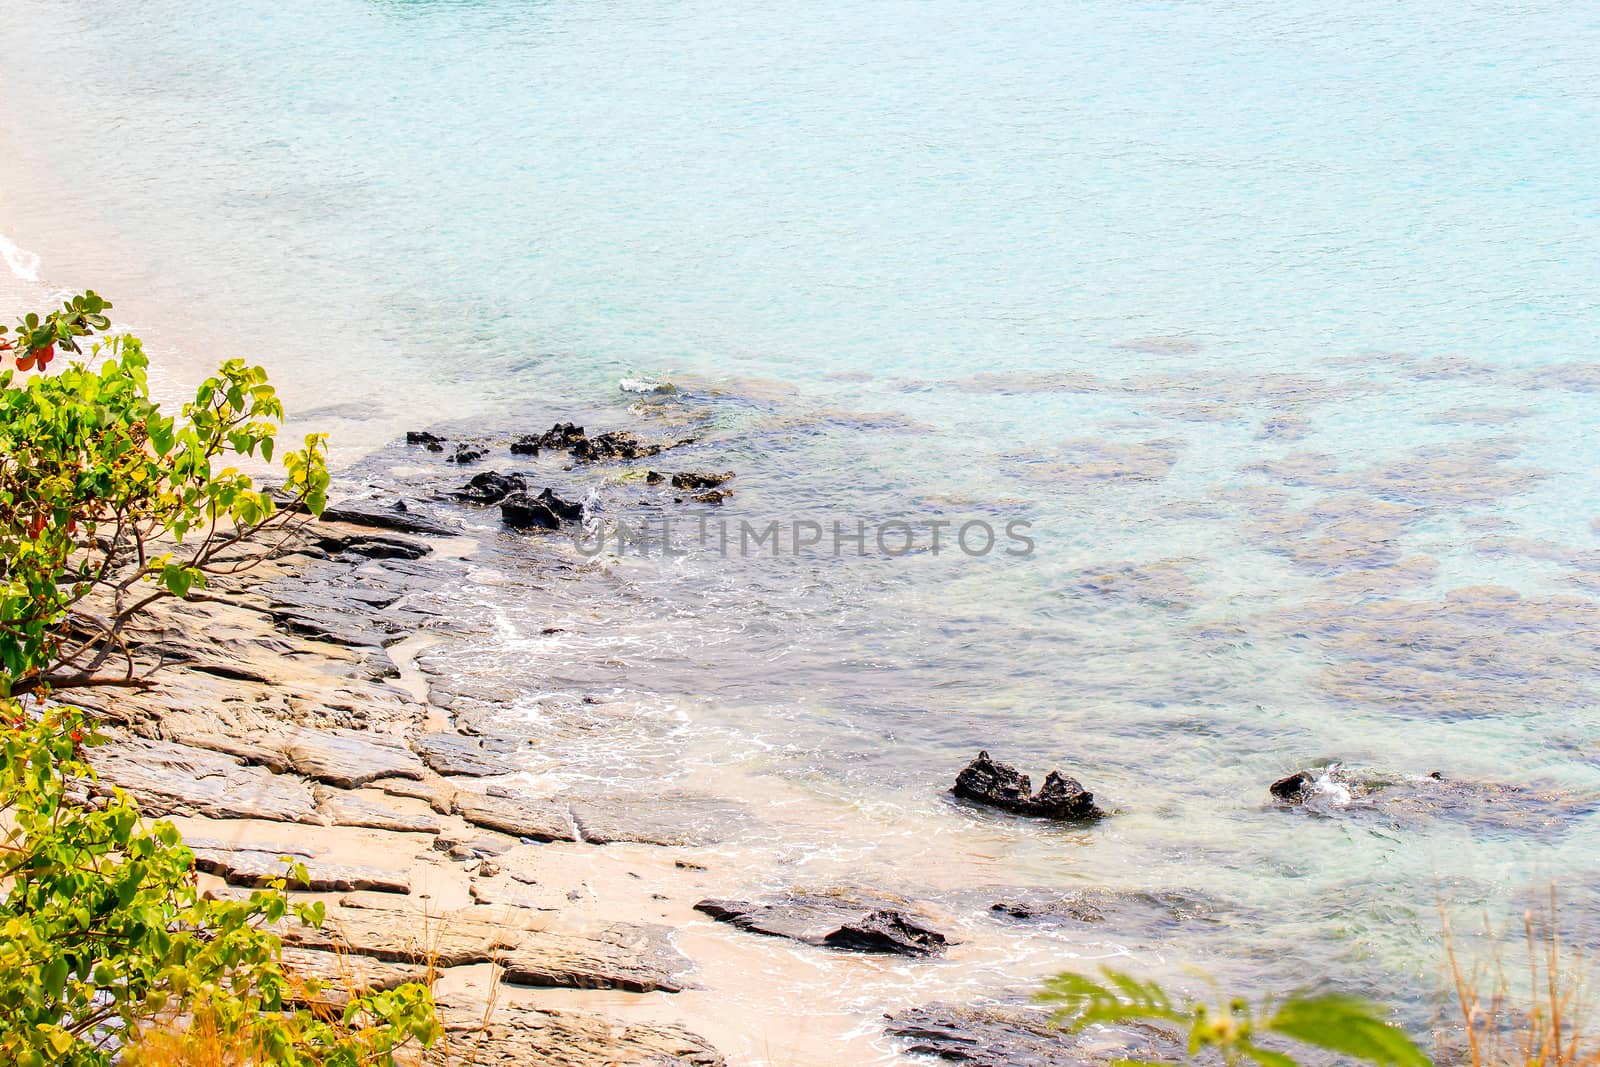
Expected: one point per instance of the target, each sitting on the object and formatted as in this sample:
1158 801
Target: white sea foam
645 385
23 263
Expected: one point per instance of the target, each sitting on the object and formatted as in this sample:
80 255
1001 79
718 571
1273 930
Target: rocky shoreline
309 709
298 712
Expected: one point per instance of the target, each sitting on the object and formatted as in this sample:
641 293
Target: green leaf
1346 1025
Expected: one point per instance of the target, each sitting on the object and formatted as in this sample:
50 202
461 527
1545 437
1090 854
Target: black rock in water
615 444
1000 785
698 480
887 931
491 487
1293 788
560 437
566 510
528 513
466 453
421 437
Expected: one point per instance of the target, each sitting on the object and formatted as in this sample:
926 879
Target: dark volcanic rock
396 516
887 931
998 1036
491 487
466 453
375 546
421 437
999 785
859 924
614 444
699 480
710 496
560 438
525 512
1292 788
565 510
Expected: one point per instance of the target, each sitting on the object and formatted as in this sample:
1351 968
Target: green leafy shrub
108 950
1233 1028
107 504
105 937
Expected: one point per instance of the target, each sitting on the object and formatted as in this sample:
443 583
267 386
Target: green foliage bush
106 506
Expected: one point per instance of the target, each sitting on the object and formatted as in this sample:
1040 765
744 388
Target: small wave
24 264
646 385
1331 792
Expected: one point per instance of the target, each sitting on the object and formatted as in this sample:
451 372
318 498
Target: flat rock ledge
635 957
257 868
857 924
670 819
1001 1036
525 1037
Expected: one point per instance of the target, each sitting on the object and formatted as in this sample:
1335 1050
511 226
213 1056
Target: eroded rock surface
999 785
524 1037
636 957
172 779
350 759
253 868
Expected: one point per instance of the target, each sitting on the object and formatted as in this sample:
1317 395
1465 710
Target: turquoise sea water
1279 325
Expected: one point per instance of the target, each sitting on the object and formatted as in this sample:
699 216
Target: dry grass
198 1040
1503 1024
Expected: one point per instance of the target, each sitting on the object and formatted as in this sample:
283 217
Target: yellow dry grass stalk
1543 1026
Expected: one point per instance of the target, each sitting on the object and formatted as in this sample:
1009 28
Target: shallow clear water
1279 327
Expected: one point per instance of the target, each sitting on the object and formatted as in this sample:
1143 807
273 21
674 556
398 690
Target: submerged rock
1000 785
698 479
710 496
1001 1036
1153 911
1404 798
862 923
